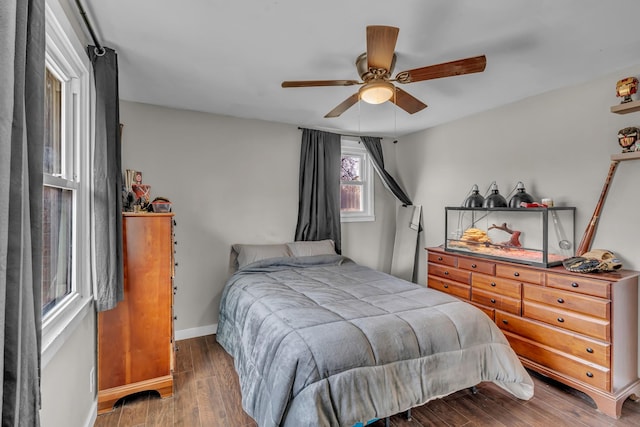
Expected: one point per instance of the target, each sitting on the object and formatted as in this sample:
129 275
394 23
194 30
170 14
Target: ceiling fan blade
407 102
344 106
381 42
313 83
446 69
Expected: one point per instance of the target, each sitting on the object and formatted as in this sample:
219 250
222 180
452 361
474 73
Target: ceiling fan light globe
376 92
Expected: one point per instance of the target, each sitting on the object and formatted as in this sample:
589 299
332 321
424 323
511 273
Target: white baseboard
93 414
200 331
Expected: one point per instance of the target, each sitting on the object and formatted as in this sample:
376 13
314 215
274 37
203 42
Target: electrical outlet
92 380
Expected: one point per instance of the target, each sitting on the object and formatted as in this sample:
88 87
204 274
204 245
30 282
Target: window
66 285
356 183
58 198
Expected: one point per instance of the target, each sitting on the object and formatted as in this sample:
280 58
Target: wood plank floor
207 395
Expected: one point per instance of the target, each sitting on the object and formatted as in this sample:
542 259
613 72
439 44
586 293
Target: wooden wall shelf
627 107
626 156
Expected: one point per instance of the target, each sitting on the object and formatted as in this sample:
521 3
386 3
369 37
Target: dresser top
610 276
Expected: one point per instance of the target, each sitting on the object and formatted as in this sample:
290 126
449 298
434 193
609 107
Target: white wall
559 144
230 181
67 397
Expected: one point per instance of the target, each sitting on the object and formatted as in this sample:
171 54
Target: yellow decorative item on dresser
579 329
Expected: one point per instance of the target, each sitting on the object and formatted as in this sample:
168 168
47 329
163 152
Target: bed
319 340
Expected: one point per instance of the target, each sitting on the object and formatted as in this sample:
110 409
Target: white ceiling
229 57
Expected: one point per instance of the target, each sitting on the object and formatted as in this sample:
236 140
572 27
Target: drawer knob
493 284
446 286
516 274
439 258
589 350
505 321
493 301
560 319
574 284
560 300
589 374
473 266
446 273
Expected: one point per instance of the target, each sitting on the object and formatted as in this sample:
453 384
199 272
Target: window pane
56 246
52 129
350 198
350 170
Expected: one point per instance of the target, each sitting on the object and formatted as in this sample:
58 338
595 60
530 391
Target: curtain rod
346 134
99 49
343 134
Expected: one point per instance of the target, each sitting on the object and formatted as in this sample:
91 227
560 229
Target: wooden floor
207 394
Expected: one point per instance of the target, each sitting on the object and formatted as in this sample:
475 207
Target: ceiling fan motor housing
367 74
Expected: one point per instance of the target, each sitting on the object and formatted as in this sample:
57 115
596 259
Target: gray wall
230 181
559 144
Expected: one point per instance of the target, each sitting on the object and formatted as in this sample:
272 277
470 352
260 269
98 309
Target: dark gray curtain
22 48
107 182
374 148
319 202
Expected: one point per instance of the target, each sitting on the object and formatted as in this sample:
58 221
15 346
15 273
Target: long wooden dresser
135 339
579 329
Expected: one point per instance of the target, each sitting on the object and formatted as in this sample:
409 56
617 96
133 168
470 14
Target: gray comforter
323 341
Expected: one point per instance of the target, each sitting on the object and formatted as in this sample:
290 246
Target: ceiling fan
375 67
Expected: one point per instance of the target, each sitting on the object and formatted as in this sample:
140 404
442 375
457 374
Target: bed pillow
252 253
310 248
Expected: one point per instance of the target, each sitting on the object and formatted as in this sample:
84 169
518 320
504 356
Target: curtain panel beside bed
319 201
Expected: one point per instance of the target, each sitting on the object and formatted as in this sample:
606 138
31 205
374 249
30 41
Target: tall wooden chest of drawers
579 329
135 339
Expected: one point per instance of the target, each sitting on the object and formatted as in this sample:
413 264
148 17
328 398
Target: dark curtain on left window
22 65
107 182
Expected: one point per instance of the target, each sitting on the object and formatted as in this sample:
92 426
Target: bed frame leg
386 422
474 390
408 414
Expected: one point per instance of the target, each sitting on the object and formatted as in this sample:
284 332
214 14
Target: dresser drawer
450 287
584 304
585 348
583 285
438 258
450 273
591 326
519 273
591 374
479 266
498 285
499 302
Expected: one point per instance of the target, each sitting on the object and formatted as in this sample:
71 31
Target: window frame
66 59
353 147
